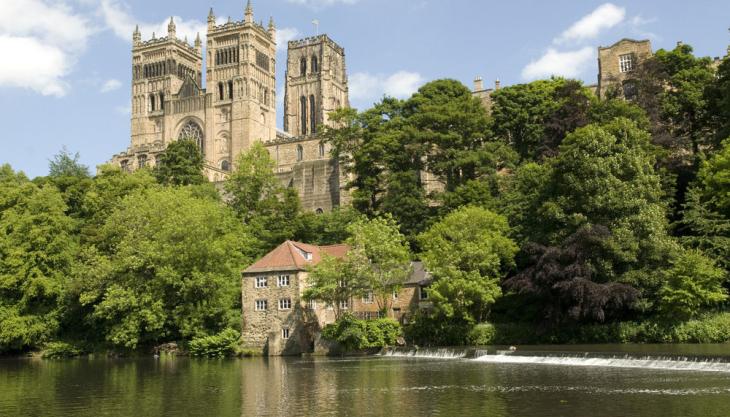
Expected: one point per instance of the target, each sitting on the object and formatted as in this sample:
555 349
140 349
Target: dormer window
306 255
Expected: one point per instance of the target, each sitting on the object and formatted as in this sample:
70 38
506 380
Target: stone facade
617 64
277 321
238 107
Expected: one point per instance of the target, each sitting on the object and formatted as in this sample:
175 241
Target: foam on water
442 353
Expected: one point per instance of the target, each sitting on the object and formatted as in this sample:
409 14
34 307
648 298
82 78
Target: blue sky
65 66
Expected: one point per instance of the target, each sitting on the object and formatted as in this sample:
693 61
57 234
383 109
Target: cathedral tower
160 66
316 84
241 85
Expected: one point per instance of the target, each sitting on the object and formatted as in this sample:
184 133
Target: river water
647 381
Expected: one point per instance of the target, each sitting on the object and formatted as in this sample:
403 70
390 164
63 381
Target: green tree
692 283
258 198
168 269
382 255
36 254
468 253
181 164
70 177
335 281
326 228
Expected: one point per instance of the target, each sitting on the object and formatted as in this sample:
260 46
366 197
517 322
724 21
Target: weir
697 363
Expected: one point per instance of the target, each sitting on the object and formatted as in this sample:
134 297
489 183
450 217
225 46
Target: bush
57 350
482 334
354 334
216 346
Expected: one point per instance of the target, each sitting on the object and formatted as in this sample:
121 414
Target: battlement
156 42
238 25
314 40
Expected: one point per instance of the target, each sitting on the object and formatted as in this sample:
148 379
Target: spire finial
271 23
171 28
136 36
211 19
248 16
198 42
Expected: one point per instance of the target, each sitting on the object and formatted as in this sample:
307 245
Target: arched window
300 153
142 161
266 96
312 114
152 102
230 89
124 165
191 131
303 67
162 101
303 102
225 166
321 150
315 64
220 91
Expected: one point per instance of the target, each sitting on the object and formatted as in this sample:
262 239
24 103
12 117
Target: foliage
167 269
353 334
381 254
692 283
64 164
468 252
181 164
482 334
36 254
259 199
565 280
335 281
219 345
327 228
60 350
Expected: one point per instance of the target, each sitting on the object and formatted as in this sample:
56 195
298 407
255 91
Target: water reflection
350 387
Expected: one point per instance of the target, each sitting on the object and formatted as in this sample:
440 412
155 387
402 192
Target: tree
259 199
335 281
64 164
705 220
36 254
181 164
326 228
168 269
565 282
468 252
692 282
382 256
70 177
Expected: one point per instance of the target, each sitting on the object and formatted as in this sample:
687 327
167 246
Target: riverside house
277 321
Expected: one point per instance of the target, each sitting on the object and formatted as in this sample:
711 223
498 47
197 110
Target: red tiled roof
290 256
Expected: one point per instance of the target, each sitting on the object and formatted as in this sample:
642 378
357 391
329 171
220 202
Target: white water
675 364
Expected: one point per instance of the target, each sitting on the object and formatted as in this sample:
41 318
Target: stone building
277 321
617 64
238 105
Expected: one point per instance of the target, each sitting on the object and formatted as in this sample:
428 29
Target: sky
65 66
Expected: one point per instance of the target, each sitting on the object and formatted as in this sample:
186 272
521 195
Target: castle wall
610 72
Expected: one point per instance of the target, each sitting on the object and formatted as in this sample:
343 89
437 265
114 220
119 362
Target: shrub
216 346
57 350
354 334
482 334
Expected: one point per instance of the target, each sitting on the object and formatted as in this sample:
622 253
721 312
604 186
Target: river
568 381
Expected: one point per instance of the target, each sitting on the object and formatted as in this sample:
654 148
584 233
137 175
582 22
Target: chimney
478 84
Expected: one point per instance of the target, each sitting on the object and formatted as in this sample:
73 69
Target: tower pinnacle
211 19
272 28
171 29
248 16
136 36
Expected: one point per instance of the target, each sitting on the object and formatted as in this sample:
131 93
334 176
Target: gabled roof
294 256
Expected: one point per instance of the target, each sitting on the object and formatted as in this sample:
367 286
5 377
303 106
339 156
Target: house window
124 165
626 62
142 161
285 333
262 305
630 90
300 153
395 295
312 305
423 293
321 150
367 298
343 305
262 282
283 280
225 166
285 304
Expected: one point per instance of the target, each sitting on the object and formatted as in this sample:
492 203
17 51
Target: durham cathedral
238 106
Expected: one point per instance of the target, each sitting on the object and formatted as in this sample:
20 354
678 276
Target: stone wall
610 75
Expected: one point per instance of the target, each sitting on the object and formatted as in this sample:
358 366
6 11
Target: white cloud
319 4
366 86
567 64
605 16
40 41
111 85
119 19
284 35
123 110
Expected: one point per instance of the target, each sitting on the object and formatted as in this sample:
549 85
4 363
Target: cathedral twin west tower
238 105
